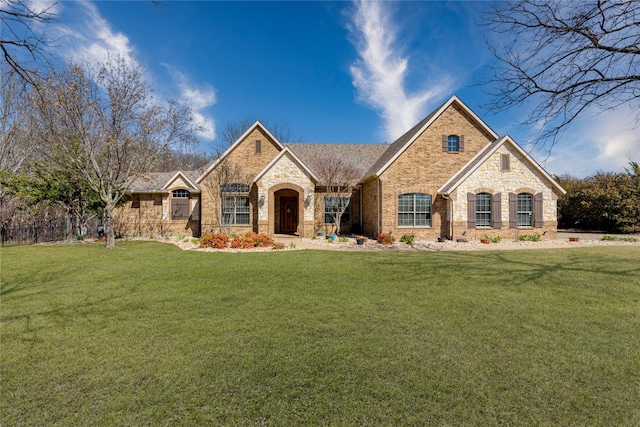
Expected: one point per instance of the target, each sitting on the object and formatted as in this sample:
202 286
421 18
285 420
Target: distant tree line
608 202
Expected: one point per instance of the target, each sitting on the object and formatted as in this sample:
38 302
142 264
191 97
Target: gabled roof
257 124
184 177
402 143
483 155
363 155
282 153
158 182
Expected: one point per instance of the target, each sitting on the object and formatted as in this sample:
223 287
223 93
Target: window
483 210
505 162
453 143
235 210
258 146
414 210
180 204
524 209
332 205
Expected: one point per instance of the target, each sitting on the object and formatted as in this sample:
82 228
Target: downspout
449 214
361 222
379 208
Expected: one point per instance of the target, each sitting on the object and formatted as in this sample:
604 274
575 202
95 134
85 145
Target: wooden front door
288 214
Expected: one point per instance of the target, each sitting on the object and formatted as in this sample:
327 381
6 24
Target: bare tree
22 46
108 127
225 184
339 177
234 130
564 57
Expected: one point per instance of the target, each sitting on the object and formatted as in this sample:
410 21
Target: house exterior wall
346 227
245 159
489 178
370 208
423 168
150 213
285 174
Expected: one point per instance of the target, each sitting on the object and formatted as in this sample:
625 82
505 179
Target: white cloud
380 72
199 99
85 37
88 37
604 142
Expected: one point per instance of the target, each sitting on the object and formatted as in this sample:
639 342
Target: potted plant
359 240
485 239
574 239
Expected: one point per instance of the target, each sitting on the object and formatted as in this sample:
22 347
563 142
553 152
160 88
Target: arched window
414 210
524 209
180 204
483 210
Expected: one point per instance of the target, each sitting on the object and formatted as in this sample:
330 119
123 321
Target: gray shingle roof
155 181
364 155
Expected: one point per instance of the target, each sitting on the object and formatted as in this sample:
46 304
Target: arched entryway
287 212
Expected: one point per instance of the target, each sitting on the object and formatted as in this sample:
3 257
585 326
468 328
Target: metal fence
43 231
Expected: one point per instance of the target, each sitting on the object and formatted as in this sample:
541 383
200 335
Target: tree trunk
109 229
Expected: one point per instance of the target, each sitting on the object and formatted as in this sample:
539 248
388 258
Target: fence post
35 232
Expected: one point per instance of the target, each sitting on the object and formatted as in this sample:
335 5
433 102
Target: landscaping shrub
251 240
530 237
620 239
278 245
385 239
407 238
214 240
497 239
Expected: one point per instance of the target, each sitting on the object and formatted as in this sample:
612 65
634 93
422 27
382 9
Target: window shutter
513 210
461 143
496 211
538 216
445 143
179 209
471 210
195 209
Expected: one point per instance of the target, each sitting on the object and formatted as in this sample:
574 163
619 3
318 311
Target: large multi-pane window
414 210
236 210
524 209
332 205
235 204
483 210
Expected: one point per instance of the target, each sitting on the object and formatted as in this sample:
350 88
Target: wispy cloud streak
85 37
380 73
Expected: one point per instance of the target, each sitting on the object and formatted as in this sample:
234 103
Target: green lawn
151 335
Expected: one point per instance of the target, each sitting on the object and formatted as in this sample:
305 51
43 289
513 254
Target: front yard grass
148 334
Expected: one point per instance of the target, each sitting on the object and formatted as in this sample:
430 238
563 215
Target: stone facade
285 196
521 177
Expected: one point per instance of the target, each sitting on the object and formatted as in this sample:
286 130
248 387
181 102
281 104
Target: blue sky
332 71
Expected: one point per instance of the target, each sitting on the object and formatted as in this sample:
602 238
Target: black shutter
513 210
471 210
496 211
538 216
461 143
445 143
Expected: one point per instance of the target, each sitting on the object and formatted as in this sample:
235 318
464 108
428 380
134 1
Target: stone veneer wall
424 168
286 173
488 178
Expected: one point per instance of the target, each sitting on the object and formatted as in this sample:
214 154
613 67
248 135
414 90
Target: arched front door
288 215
